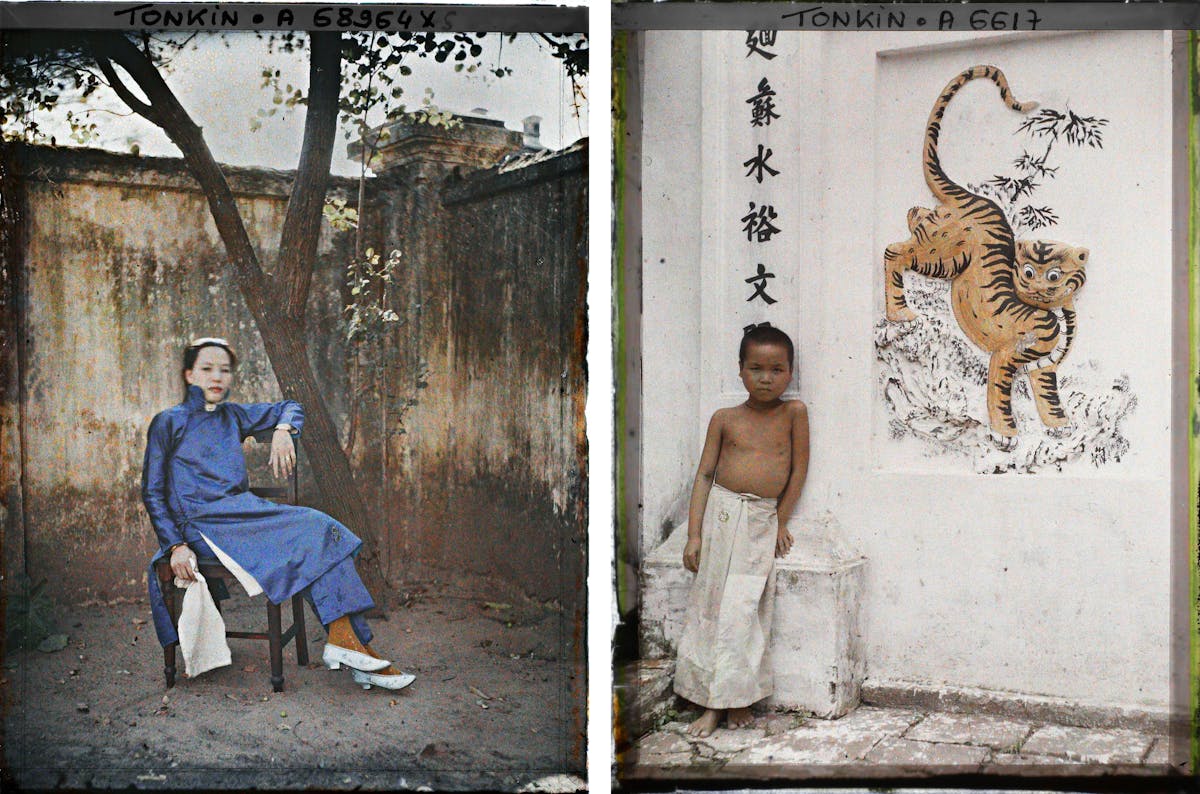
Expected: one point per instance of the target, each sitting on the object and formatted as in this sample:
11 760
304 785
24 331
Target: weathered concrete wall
116 264
490 471
121 267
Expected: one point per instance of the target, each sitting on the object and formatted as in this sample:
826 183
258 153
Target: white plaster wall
671 240
1055 585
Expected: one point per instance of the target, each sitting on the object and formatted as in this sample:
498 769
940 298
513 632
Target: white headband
208 340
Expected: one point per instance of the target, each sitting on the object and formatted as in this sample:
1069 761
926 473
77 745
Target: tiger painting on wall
1013 299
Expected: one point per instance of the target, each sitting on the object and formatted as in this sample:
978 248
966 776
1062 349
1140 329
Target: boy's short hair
766 334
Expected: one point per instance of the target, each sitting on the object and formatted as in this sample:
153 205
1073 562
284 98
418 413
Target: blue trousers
340 591
337 592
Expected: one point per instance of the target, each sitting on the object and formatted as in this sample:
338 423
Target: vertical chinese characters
761 223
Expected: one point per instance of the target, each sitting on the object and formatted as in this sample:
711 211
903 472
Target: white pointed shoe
384 681
335 656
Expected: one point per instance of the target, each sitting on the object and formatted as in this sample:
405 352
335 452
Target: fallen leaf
283 714
391 702
498 606
481 704
82 707
55 642
166 700
283 727
479 693
158 778
250 669
139 621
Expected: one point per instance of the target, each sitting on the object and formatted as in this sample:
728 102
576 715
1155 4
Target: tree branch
166 112
116 84
302 223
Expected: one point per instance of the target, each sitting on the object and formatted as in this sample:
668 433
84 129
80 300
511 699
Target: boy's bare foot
739 717
706 724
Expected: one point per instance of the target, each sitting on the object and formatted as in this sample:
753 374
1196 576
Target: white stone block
816 647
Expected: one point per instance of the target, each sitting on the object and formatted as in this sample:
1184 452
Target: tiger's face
1049 273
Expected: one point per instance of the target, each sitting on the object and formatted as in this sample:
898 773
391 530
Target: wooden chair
213 571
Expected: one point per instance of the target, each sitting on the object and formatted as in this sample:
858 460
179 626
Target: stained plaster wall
121 265
490 472
1014 582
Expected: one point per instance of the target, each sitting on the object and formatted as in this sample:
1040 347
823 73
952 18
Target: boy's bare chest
758 434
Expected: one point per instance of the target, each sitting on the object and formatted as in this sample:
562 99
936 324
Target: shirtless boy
750 477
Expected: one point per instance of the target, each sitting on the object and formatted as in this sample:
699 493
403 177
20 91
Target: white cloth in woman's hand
201 628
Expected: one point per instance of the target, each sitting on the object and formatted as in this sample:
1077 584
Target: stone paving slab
1097 746
662 743
870 719
778 722
903 752
805 746
977 729
726 741
665 749
816 742
666 760
873 738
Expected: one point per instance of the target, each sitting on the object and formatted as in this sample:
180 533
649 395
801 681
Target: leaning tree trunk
281 331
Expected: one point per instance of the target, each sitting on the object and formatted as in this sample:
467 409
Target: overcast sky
219 82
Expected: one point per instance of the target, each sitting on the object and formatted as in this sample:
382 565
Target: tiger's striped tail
943 188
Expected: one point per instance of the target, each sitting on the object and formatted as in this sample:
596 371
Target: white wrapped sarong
723 659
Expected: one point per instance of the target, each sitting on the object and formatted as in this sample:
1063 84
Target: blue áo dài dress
194 484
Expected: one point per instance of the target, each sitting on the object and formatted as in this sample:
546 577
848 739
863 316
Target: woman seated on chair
195 488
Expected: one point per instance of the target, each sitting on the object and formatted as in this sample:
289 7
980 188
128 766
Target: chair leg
167 585
275 633
300 635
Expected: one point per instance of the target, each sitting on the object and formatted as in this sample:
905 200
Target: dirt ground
491 707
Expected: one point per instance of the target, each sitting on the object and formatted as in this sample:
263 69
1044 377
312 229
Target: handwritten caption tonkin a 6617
884 17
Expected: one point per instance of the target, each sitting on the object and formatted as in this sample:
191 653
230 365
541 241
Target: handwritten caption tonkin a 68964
299 16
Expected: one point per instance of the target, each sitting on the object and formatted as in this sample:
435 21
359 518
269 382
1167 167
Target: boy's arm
795 484
705 474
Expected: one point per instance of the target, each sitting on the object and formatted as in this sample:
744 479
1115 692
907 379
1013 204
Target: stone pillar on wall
406 145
